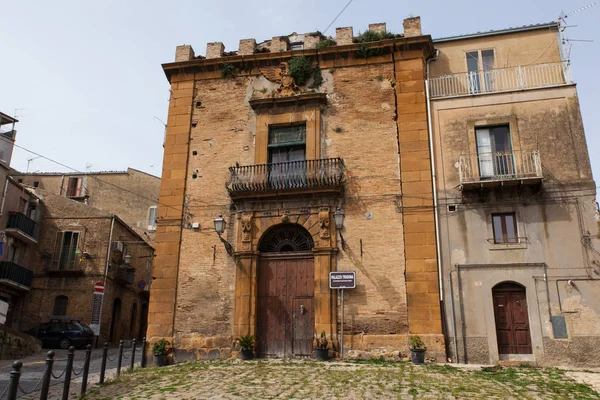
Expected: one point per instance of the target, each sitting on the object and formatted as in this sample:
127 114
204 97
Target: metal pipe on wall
453 317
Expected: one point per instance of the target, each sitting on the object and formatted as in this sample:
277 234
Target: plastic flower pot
322 354
160 361
417 356
246 354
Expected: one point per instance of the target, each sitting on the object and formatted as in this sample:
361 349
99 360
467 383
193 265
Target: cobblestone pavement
307 379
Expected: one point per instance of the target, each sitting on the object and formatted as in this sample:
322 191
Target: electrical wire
337 16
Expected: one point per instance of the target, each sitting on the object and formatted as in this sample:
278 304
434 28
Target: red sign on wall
99 287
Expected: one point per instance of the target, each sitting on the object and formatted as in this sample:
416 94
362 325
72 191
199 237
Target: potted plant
159 351
247 347
417 350
321 351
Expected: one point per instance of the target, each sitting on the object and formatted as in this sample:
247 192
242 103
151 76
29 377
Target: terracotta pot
322 354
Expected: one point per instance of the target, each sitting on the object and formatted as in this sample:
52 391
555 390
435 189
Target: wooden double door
512 319
285 305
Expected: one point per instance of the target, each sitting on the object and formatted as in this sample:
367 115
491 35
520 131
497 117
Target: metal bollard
132 355
47 376
143 362
120 358
15 375
103 366
67 383
86 368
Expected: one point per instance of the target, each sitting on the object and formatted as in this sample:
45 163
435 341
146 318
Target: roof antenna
88 167
566 44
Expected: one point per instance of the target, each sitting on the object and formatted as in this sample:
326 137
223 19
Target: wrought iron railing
14 272
500 166
327 172
20 221
500 80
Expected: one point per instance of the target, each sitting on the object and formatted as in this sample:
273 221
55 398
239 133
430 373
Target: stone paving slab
308 379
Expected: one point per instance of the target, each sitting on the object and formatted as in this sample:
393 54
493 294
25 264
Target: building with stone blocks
131 194
516 200
20 213
277 154
79 246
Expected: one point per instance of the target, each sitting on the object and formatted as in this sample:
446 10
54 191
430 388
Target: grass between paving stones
308 379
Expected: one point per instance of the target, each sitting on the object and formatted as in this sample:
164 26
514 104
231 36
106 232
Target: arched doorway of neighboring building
143 321
132 321
512 318
285 301
115 320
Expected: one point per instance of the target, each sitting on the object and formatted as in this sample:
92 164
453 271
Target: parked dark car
63 334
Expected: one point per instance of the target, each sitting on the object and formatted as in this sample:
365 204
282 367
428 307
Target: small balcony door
475 69
494 152
287 153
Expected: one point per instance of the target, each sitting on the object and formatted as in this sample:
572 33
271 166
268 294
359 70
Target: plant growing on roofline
246 344
321 350
417 349
160 351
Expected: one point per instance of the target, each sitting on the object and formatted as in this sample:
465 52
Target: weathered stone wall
62 214
106 193
15 345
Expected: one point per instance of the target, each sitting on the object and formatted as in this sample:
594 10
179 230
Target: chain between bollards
143 362
120 358
68 370
132 355
47 376
86 368
103 366
15 375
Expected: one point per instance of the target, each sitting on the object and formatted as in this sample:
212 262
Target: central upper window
287 143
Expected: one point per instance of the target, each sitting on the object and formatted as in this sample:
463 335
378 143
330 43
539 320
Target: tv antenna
567 44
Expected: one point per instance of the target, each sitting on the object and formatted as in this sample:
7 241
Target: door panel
284 285
512 320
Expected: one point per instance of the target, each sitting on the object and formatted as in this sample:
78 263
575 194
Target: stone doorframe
252 225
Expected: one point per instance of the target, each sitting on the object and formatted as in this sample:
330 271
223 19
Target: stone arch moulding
285 230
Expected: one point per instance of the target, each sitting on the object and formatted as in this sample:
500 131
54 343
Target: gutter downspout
433 178
112 226
453 317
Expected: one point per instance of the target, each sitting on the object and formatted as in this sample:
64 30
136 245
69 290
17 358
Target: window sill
507 246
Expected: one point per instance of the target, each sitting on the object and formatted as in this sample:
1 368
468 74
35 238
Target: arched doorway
285 298
132 321
512 319
143 321
115 320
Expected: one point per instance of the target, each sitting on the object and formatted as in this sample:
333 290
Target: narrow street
34 367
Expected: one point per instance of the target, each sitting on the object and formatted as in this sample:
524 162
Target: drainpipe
112 226
453 317
433 179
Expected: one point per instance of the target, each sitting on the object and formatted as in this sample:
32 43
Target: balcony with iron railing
63 264
497 80
22 227
15 275
500 169
290 177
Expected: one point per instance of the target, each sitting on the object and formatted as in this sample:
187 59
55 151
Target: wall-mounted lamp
127 259
338 216
220 225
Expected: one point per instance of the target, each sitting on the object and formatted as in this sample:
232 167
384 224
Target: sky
86 81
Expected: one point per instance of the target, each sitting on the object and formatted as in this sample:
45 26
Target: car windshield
86 328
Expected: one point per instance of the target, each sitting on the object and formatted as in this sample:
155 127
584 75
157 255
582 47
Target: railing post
67 383
132 355
86 368
143 362
13 384
103 366
119 358
47 376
